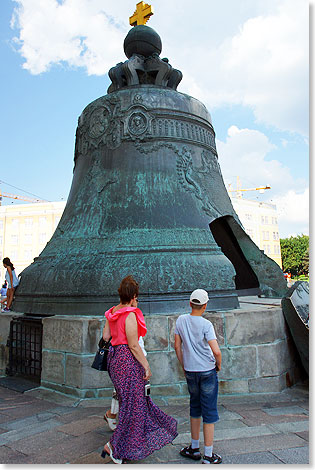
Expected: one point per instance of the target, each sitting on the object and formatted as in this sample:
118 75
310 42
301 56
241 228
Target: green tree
294 254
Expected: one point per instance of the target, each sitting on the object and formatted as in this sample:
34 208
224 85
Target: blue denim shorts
203 390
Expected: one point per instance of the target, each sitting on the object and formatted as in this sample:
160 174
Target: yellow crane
239 189
16 196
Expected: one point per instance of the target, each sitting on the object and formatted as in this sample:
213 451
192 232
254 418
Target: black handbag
100 360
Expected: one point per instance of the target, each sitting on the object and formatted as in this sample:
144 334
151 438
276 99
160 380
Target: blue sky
246 60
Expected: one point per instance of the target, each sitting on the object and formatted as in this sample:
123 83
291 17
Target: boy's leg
195 428
208 398
192 451
208 434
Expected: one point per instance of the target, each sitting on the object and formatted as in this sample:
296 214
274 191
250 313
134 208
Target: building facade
260 222
25 229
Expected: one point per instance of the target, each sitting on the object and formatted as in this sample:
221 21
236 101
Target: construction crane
239 189
16 196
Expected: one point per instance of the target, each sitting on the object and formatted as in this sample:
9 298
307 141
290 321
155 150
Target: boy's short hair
196 307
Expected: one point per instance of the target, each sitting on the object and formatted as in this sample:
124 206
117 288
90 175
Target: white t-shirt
195 332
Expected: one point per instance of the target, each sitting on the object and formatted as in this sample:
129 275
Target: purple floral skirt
143 427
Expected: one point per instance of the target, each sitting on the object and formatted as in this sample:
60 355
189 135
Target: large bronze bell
147 199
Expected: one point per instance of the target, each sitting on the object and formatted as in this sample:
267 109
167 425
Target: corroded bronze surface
146 186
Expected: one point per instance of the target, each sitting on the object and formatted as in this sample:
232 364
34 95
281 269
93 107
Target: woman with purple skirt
143 427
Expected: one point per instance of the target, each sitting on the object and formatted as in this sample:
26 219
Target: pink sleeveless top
117 324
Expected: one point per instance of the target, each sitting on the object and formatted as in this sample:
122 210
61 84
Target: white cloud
293 213
259 61
244 154
264 66
76 32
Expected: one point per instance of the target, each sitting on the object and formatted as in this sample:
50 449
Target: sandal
107 456
112 423
215 458
193 454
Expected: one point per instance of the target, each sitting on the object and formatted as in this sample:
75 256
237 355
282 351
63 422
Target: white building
25 229
260 222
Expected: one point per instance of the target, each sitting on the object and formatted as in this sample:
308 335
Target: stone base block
258 355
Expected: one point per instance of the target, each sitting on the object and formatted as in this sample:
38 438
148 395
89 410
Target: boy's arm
178 350
216 352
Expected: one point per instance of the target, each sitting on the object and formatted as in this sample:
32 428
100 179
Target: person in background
199 354
142 427
4 289
12 281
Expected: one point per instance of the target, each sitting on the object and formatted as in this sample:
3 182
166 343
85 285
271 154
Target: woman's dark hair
128 289
7 262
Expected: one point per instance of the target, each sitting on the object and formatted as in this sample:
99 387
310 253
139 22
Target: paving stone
17 434
29 421
254 458
298 455
10 456
68 450
297 426
255 417
258 444
304 435
285 410
233 424
27 409
38 443
81 413
227 415
82 426
223 434
89 459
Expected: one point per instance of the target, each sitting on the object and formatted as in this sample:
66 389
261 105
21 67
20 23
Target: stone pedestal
258 355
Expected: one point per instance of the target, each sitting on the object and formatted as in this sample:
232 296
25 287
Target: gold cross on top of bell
141 15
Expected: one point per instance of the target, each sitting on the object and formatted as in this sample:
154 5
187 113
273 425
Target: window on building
266 249
42 221
28 221
28 254
14 239
1 224
15 223
276 250
250 232
13 255
249 216
28 238
42 238
1 240
266 235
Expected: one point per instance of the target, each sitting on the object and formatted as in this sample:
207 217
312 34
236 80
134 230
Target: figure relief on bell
137 123
99 122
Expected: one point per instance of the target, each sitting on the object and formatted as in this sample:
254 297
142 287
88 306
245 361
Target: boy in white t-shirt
199 354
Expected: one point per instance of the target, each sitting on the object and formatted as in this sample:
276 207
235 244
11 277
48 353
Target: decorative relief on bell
99 122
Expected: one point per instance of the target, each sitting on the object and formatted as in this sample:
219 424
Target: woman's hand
147 373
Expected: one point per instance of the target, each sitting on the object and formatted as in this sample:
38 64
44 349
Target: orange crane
239 189
21 198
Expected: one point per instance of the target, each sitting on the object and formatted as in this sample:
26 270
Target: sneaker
214 459
190 453
7 310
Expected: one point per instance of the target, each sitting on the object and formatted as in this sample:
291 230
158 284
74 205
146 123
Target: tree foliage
295 254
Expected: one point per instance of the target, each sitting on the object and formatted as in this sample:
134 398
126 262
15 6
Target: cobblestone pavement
38 427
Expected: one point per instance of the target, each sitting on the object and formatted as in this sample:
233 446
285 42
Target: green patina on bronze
148 199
